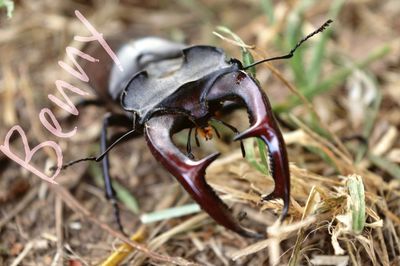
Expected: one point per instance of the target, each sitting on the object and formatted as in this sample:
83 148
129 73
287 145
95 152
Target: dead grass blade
71 202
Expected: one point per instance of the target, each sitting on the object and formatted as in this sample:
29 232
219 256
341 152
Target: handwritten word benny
47 117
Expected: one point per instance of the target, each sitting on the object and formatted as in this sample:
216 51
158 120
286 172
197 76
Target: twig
311 108
236 43
23 254
21 205
322 140
124 250
157 242
59 229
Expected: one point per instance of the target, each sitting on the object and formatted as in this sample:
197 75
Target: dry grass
327 166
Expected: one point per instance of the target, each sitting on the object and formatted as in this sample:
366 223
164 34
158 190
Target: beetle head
235 85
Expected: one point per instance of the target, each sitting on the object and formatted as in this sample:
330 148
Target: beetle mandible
167 87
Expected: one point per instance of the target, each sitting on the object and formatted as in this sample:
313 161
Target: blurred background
337 101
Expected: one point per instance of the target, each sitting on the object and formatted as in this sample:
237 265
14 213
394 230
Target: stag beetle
167 87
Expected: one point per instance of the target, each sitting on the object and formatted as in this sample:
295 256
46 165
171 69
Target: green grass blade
123 194
170 213
247 58
357 205
338 77
231 33
293 33
318 50
9 5
384 164
251 156
263 154
268 8
371 116
333 81
263 165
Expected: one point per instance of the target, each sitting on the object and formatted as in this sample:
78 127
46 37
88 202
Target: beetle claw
190 173
270 134
263 126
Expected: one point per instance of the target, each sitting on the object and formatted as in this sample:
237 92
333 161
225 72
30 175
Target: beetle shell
166 87
163 88
138 55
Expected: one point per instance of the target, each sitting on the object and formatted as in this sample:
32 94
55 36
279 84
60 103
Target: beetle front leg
111 120
190 173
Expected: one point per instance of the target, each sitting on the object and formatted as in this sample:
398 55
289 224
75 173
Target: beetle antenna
127 134
291 53
65 166
98 158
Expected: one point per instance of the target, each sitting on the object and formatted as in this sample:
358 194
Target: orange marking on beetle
205 132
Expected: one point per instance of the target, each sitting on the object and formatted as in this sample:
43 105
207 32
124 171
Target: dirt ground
337 100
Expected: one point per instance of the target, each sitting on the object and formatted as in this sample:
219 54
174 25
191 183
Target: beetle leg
88 102
190 173
236 131
263 125
196 136
216 131
189 145
109 121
